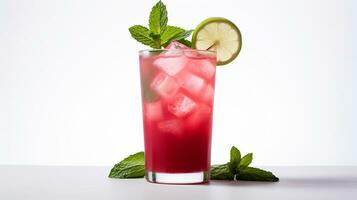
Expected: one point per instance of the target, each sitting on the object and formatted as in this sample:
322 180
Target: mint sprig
245 161
130 167
142 34
158 18
256 174
236 169
187 43
170 33
235 158
159 34
221 172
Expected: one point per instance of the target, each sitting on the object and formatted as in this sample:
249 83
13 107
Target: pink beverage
177 98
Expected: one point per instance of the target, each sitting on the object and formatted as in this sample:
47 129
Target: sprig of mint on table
236 169
159 34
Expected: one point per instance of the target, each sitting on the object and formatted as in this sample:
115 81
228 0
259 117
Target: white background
69 80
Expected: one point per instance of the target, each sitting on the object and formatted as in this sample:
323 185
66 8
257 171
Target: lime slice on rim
220 35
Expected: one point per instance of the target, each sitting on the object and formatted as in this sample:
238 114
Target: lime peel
220 35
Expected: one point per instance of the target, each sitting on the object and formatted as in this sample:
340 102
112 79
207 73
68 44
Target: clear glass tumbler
177 99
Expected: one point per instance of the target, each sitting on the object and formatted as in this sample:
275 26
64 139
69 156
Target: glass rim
184 50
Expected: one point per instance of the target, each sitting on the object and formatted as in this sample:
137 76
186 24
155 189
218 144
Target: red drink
177 98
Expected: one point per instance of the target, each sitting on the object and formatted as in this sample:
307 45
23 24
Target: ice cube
202 114
203 68
190 82
172 53
153 111
175 49
164 85
207 94
173 126
181 105
176 45
171 65
191 53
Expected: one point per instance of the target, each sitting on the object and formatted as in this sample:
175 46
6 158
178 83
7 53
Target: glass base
177 178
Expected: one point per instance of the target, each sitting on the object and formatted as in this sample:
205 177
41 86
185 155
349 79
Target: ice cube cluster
184 85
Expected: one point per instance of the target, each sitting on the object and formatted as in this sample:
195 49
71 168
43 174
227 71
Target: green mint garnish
142 34
221 172
245 161
130 167
235 158
158 18
187 43
174 33
236 169
159 34
169 33
256 174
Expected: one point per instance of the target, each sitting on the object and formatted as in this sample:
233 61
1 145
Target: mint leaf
131 167
234 160
142 34
172 33
221 172
169 34
256 174
245 161
158 18
159 34
182 35
186 42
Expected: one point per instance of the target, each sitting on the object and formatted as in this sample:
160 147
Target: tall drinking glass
177 99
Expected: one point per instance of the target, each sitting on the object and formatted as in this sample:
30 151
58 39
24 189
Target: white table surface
91 182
